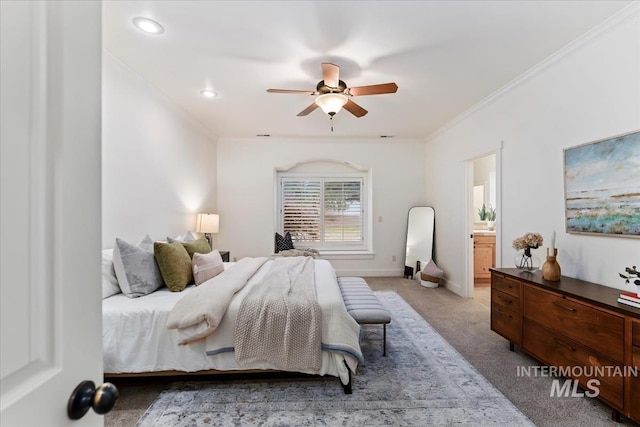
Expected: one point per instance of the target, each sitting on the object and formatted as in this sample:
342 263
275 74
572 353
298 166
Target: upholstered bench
363 305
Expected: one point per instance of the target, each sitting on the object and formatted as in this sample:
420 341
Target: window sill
346 254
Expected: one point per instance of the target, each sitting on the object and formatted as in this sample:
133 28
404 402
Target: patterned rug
422 381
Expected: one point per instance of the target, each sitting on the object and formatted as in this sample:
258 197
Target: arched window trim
323 172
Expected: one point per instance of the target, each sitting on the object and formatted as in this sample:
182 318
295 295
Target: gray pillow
136 269
188 237
146 243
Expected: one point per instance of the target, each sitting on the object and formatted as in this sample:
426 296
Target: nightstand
224 255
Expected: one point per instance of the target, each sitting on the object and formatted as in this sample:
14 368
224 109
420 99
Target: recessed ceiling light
147 25
208 93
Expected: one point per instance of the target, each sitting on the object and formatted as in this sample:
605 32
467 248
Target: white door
50 92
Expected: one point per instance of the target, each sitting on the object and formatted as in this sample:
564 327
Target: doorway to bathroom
483 220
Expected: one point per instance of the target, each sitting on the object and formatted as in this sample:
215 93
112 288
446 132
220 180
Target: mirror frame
419 242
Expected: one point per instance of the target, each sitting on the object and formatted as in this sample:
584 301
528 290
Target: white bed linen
332 305
136 339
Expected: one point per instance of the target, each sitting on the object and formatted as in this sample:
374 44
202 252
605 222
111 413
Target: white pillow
206 266
109 280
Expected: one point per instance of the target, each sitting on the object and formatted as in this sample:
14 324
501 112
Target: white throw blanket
280 321
199 313
340 333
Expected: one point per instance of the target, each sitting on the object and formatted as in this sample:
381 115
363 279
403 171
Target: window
326 212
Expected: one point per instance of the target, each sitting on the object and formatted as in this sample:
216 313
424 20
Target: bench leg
348 389
384 340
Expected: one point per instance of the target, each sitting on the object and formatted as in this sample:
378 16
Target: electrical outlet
235 259
393 258
380 219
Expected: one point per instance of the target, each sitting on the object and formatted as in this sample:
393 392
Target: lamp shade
207 223
331 103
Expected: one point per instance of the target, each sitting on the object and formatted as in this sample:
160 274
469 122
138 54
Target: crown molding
628 12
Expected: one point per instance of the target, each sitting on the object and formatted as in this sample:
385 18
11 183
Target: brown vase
551 268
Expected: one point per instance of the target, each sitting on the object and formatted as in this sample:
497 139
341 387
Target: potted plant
491 218
488 216
483 212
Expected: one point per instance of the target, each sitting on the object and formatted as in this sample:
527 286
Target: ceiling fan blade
307 110
330 74
373 89
354 109
304 92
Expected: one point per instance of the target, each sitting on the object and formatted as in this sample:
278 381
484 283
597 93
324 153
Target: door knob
86 395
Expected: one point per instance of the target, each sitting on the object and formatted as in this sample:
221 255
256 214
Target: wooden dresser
572 323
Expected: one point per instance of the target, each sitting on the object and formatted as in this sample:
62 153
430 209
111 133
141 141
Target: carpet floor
422 381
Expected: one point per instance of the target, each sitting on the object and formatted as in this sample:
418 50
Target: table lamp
207 224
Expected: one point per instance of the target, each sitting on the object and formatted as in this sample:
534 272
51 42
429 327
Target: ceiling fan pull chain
331 118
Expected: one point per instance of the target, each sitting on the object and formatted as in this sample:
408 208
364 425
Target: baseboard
454 287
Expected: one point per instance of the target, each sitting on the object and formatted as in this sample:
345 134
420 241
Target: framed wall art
602 186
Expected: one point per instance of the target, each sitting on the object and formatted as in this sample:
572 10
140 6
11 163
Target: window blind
302 209
342 211
322 210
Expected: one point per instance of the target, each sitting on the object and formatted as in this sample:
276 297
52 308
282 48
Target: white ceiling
445 57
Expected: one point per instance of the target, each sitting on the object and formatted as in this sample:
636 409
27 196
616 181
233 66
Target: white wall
246 195
590 92
158 164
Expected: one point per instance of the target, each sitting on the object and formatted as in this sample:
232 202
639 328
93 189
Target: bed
136 339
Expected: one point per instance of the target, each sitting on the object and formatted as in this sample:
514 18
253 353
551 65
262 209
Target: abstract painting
602 186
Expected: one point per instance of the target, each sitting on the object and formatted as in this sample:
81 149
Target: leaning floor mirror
419 238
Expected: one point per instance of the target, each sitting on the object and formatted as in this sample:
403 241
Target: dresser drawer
505 300
507 323
635 335
588 325
634 401
557 350
505 284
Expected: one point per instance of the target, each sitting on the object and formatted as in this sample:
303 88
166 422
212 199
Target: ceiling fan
334 94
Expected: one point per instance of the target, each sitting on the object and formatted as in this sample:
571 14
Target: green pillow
175 265
200 246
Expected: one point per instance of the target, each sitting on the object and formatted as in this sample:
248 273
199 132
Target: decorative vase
527 261
491 225
551 268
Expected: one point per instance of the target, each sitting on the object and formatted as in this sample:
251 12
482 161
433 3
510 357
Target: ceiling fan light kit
334 94
331 103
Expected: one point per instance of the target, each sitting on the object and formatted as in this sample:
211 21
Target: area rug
423 381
